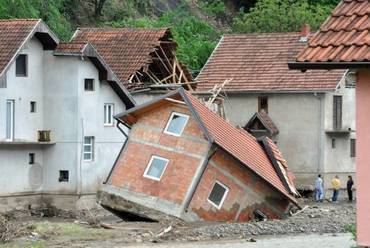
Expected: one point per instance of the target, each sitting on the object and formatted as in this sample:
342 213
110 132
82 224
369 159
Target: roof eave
327 65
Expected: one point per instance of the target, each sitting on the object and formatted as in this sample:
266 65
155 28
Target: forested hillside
197 25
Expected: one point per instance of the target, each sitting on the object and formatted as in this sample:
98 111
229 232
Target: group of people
335 183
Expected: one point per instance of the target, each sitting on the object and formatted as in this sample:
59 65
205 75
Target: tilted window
88 148
156 167
218 194
108 114
176 124
21 66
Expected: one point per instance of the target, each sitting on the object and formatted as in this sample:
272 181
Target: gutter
327 65
120 152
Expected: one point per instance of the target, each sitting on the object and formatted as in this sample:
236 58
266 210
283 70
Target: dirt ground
99 228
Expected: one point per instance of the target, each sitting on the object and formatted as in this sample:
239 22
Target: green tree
282 15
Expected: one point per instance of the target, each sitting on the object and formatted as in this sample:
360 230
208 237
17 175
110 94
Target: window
21 66
156 167
9 127
333 143
63 176
353 148
88 148
218 194
33 107
337 112
176 124
31 158
263 103
89 84
108 114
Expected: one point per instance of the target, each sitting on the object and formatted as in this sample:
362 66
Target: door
9 127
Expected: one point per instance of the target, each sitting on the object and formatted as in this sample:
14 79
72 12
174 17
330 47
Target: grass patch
351 228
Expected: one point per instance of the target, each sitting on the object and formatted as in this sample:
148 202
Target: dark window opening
63 176
31 158
89 84
218 194
353 148
33 107
21 66
337 112
333 143
263 104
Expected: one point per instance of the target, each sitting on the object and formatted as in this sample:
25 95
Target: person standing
335 183
319 190
349 188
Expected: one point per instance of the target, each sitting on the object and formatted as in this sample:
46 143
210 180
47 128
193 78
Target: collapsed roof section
237 142
140 58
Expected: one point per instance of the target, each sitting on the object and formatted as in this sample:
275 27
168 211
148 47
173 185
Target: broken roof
258 63
237 142
128 50
342 41
266 121
14 33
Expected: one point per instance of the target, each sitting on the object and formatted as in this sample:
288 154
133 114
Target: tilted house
309 115
57 134
343 42
182 159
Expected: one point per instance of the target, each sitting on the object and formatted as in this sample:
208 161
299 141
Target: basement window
21 66
89 84
31 158
156 167
33 107
176 124
218 194
63 176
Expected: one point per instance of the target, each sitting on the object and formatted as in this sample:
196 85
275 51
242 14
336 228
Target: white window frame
92 144
11 138
149 165
169 121
106 115
223 197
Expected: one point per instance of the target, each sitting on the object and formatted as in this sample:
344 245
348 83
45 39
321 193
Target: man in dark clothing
349 188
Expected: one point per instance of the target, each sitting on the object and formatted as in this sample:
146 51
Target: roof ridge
121 28
20 19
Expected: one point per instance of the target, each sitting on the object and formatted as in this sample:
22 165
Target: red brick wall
239 203
181 168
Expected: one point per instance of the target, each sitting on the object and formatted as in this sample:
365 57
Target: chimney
305 31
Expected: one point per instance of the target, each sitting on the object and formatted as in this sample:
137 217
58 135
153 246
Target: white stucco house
309 115
58 139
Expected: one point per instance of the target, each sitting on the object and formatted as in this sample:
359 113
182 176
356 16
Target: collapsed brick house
182 159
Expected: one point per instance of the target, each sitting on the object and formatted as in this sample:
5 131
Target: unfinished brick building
183 160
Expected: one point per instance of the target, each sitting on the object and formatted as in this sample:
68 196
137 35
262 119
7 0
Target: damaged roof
127 50
343 40
237 142
258 63
14 33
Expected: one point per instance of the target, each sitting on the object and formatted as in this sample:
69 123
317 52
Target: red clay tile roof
70 48
344 37
240 144
258 63
13 33
265 120
126 50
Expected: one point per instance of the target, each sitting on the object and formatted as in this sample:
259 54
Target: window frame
223 197
11 121
106 116
92 144
169 121
25 65
93 84
149 165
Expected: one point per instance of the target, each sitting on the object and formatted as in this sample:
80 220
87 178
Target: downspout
321 152
198 176
120 152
